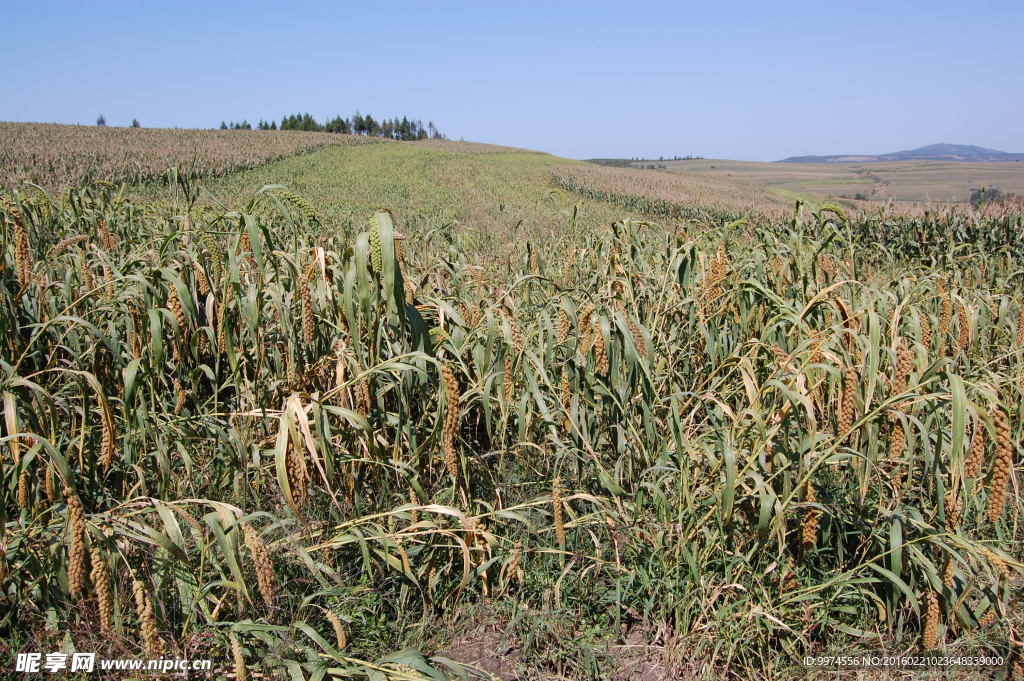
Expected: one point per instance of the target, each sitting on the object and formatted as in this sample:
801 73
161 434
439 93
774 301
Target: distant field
60 156
913 181
670 194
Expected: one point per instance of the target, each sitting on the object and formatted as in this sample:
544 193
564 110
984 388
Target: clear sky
745 80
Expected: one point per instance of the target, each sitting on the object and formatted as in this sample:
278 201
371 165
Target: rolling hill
931 152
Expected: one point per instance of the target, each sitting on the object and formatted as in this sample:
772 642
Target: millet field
436 410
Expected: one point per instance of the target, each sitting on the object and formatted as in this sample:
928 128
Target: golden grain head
638 337
997 562
22 255
298 475
148 627
954 508
848 403
65 244
897 446
930 621
563 325
49 487
340 639
601 364
1001 465
513 567
451 419
556 511
106 238
964 328
23 490
809 524
949 573
101 585
108 443
77 535
901 372
976 454
515 331
241 673
262 563
926 331
202 282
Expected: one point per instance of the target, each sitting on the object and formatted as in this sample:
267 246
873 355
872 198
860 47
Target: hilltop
931 152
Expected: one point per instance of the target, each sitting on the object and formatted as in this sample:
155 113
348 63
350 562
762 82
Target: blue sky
745 80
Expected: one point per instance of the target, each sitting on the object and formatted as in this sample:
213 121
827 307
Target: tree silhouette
404 128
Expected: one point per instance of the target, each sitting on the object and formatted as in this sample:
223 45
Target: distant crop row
666 194
61 156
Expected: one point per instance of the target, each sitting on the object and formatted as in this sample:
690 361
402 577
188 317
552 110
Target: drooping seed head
340 639
976 455
926 331
556 511
77 535
202 282
23 493
638 337
949 573
954 507
848 404
601 365
1001 466
901 372
147 621
930 623
945 315
179 402
809 525
563 326
108 444
298 474
241 673
101 584
262 563
106 238
65 244
451 419
964 328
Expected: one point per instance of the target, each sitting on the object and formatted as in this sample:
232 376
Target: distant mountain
932 152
